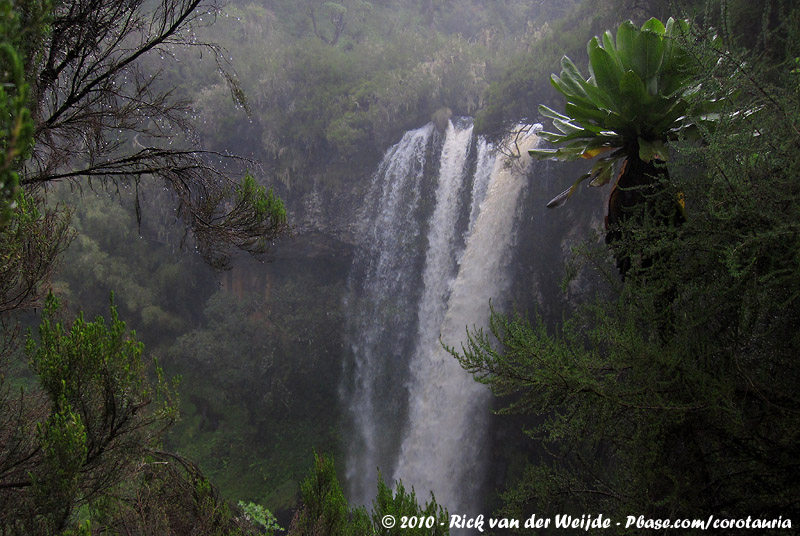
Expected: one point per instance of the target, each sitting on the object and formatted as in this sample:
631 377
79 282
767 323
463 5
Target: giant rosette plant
634 102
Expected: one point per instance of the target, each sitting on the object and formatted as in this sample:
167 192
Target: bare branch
99 114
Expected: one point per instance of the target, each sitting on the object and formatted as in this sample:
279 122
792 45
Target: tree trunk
639 198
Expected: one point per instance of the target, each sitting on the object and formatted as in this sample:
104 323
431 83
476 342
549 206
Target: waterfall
483 173
382 290
416 413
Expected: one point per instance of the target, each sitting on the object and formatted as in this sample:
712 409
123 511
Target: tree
684 407
325 511
337 14
16 126
80 451
98 427
80 107
429 520
31 244
634 102
98 114
430 9
79 444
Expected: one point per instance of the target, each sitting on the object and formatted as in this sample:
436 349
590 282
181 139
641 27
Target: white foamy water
428 272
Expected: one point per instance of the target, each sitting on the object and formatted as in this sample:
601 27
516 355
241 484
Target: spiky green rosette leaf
633 102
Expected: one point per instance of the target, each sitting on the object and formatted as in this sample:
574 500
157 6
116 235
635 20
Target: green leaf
552 114
652 150
626 43
614 121
606 72
571 83
647 57
566 89
568 153
669 44
571 72
566 127
571 152
661 150
599 98
592 135
608 45
583 114
676 28
543 154
602 172
551 137
654 25
562 198
632 88
568 85
668 119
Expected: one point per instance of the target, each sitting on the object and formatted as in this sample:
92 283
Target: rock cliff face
324 197
546 238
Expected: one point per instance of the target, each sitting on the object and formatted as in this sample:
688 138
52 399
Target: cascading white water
440 446
443 236
382 284
483 173
443 446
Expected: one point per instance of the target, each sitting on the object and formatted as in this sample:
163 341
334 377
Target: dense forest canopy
136 135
